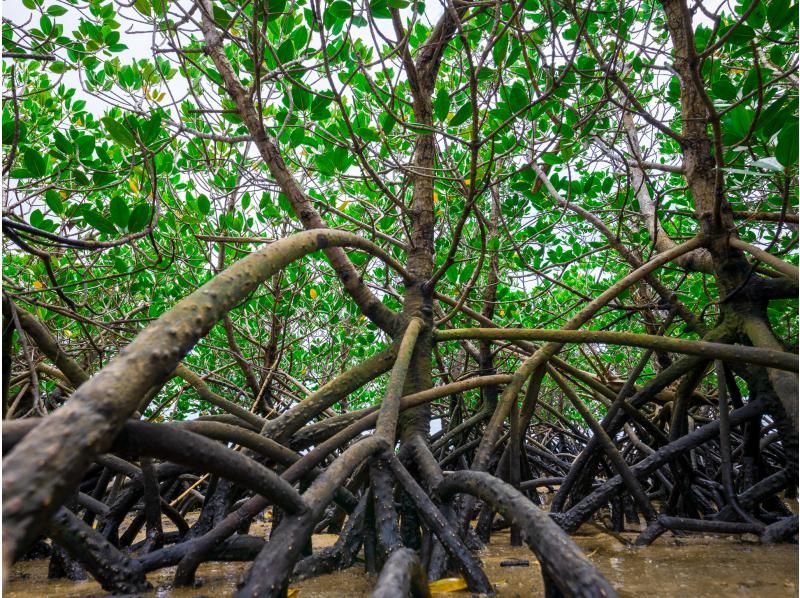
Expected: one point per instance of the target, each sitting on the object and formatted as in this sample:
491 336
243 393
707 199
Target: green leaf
62 143
85 146
101 223
143 6
380 9
758 16
724 89
301 98
368 134
387 122
286 51
275 8
736 124
204 205
787 149
778 12
340 10
441 105
8 131
46 23
326 164
120 213
56 10
741 35
53 201
462 115
160 7
499 50
35 162
140 216
283 202
466 272
37 219
151 129
518 97
119 132
452 273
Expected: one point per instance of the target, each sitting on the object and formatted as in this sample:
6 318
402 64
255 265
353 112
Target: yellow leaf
79 122
343 205
133 185
160 97
502 312
292 592
313 293
68 333
37 285
63 194
435 197
448 584
467 181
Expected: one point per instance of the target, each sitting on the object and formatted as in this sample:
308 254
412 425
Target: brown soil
696 565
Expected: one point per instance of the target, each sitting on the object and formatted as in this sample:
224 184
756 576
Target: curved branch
563 564
42 470
217 400
768 357
402 576
482 455
785 268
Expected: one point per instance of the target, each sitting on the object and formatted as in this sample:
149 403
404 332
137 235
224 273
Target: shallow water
693 565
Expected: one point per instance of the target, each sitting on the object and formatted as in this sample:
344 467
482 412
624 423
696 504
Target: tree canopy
607 189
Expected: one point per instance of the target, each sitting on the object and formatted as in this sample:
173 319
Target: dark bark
563 564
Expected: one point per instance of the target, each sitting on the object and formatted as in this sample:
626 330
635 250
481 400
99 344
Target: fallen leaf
448 584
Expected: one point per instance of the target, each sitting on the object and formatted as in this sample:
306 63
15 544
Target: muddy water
697 566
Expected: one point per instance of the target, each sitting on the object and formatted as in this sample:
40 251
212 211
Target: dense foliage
517 158
138 157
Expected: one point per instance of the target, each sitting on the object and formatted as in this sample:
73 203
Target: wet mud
695 565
